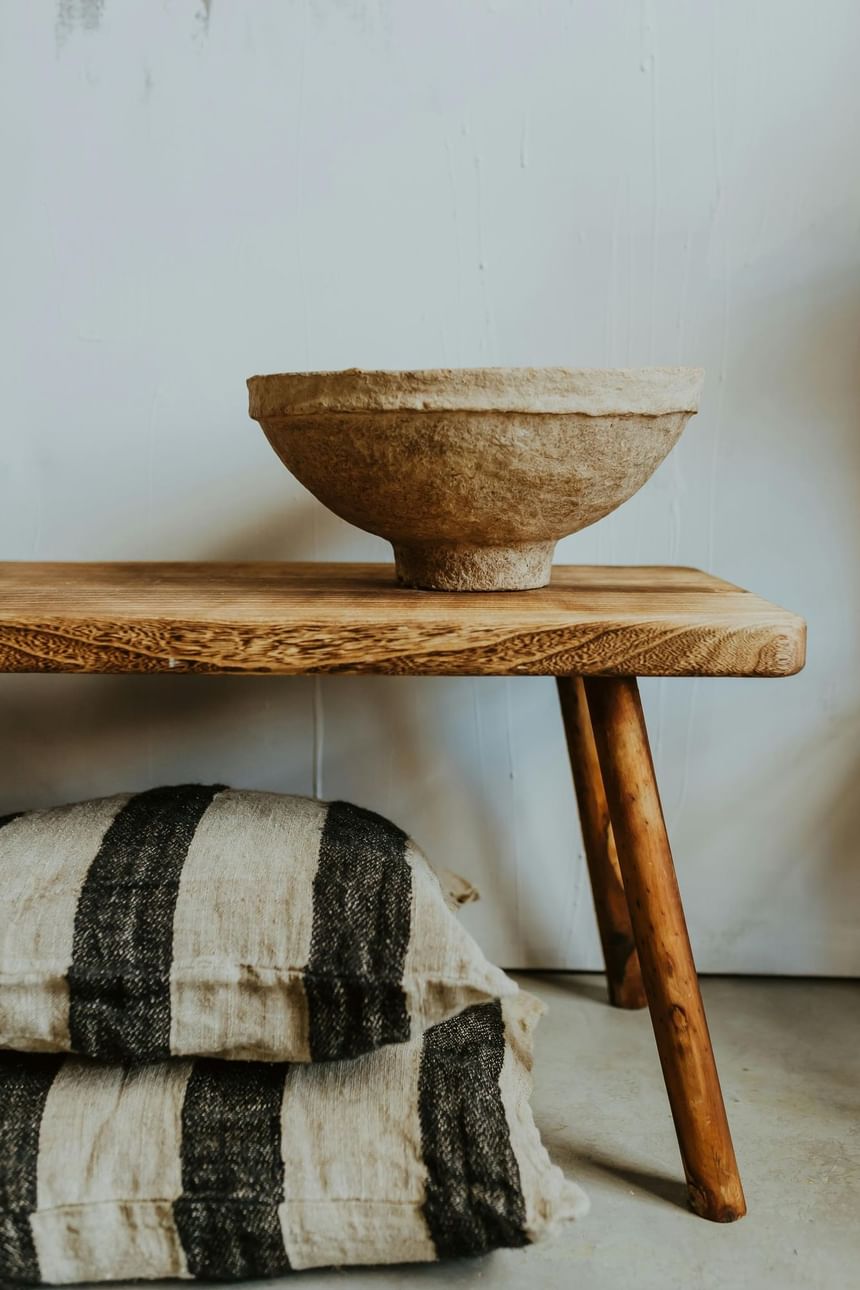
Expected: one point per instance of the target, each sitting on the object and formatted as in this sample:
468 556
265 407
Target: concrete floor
789 1057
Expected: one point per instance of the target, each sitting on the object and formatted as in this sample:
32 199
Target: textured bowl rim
631 391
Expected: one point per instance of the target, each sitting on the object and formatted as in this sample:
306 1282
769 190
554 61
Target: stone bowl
474 474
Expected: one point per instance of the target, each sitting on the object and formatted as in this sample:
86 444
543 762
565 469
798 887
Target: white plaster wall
194 192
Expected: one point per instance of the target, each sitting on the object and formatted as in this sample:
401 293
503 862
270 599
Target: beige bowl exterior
474 474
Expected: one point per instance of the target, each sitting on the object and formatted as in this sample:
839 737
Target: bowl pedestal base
460 566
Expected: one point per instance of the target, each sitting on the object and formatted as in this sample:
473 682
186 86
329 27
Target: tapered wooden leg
623 977
660 933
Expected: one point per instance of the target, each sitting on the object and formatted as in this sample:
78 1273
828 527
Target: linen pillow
224 1170
197 920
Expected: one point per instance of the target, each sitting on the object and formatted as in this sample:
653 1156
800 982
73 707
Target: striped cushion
196 920
218 1169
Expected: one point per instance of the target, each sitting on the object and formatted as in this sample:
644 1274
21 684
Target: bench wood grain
296 619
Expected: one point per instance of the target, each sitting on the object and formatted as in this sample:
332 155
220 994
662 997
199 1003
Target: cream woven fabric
217 1169
196 920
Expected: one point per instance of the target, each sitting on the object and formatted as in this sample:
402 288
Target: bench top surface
297 619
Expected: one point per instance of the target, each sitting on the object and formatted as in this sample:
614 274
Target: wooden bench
596 629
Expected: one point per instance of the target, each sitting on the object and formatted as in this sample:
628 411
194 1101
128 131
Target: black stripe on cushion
361 926
232 1170
119 979
25 1079
473 1200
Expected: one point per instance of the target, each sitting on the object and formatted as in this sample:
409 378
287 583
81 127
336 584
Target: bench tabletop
297 619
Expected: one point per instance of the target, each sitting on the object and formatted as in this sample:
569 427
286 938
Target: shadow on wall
775 850
803 343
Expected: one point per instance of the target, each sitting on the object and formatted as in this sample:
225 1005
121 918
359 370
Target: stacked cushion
212 1169
197 920
286 1051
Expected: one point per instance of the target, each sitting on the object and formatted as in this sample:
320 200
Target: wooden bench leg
623 977
660 932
